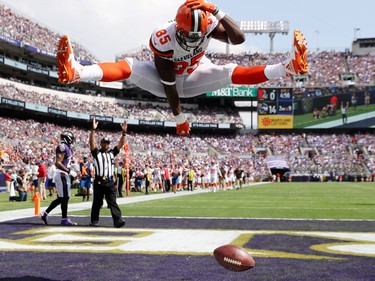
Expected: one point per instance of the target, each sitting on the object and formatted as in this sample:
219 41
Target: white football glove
73 173
74 168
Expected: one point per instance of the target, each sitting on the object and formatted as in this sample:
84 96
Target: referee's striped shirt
104 162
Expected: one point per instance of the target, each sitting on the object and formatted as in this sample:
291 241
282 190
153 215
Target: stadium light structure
269 27
357 31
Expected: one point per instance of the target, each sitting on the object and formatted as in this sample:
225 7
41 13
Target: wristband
93 129
124 134
180 118
168 83
218 14
215 11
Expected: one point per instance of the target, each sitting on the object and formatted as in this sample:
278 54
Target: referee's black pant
108 190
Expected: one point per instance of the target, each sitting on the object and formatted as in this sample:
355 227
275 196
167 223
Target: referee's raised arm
124 128
92 134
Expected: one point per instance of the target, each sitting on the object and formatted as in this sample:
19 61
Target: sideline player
62 180
180 68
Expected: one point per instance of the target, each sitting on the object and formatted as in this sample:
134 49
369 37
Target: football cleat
68 67
68 222
43 217
296 63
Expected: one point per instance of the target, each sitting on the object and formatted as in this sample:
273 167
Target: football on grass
234 258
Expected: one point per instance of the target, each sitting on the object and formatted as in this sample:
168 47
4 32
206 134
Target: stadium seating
24 141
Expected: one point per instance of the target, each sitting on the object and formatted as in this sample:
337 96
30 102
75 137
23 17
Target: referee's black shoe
119 224
94 224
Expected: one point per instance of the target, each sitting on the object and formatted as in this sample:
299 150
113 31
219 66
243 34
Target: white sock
91 73
274 71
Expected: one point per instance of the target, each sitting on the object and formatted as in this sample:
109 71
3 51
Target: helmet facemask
189 41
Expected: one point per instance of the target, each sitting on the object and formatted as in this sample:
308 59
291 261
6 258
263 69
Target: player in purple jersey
64 170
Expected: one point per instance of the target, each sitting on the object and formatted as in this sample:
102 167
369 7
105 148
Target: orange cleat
68 67
296 63
183 129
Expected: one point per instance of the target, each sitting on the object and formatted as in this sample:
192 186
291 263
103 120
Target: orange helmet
191 27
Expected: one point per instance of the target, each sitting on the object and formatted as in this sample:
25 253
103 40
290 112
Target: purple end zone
100 266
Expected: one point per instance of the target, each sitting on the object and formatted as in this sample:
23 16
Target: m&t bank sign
234 92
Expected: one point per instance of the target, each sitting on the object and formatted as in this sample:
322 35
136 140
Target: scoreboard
275 108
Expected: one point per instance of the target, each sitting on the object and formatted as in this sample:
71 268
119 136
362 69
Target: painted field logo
272 244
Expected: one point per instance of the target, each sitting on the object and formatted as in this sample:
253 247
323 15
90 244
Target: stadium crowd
28 141
116 108
23 29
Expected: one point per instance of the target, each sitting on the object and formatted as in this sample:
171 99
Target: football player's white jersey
196 74
231 177
214 173
157 175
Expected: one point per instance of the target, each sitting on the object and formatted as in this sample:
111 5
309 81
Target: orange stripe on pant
115 71
249 75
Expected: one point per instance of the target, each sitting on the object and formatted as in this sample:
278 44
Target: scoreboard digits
275 108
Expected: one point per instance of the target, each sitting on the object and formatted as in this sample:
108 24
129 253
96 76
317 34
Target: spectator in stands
180 69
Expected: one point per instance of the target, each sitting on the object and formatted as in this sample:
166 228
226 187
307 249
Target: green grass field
285 200
305 120
347 200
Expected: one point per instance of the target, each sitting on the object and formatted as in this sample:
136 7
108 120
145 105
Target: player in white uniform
198 178
180 68
214 176
206 176
157 182
231 179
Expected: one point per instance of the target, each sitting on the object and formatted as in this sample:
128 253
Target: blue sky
110 27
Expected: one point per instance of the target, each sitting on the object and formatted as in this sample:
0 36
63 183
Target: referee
104 186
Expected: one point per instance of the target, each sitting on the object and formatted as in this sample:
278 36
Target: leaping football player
180 68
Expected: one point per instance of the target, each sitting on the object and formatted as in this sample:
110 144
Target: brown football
234 258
